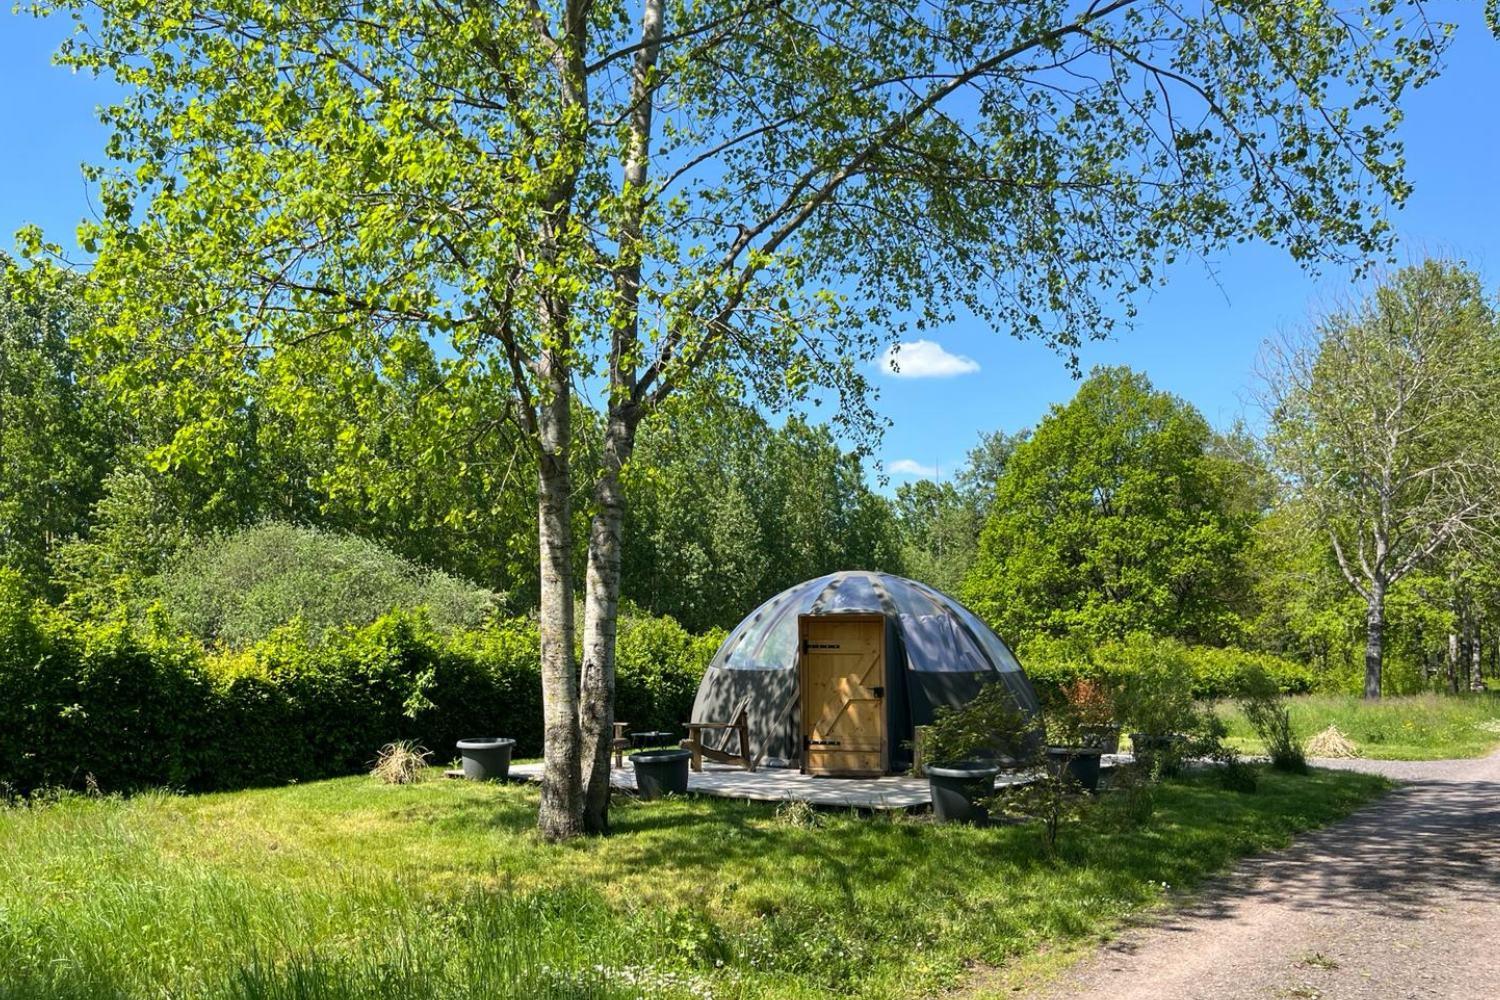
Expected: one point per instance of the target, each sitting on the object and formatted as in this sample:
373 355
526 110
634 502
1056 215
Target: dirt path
1401 900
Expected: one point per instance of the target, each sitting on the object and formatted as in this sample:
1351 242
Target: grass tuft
1332 742
402 762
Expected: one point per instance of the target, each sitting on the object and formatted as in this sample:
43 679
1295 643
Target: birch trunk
606 525
1476 664
561 814
1452 662
600 625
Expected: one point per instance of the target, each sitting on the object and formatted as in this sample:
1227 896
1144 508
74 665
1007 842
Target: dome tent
835 673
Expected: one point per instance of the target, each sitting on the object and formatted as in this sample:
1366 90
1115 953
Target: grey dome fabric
938 654
940 635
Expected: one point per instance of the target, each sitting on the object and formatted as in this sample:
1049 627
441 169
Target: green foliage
725 509
1213 672
138 527
1115 516
1265 708
349 890
1414 727
135 706
1053 800
1156 691
991 725
236 589
124 705
57 436
658 666
939 523
1382 421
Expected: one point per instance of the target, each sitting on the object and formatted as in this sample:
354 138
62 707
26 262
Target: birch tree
626 197
1385 425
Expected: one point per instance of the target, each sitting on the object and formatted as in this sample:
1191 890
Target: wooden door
843 694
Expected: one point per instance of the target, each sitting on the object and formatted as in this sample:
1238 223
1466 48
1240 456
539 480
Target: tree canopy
1117 515
649 195
1385 423
56 439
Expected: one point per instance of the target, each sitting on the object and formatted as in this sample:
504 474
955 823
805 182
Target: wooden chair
738 726
621 743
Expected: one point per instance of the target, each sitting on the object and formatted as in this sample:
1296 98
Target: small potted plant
1092 705
1157 700
966 747
1068 754
486 758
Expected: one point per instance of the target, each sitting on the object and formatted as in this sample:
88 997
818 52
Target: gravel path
1399 901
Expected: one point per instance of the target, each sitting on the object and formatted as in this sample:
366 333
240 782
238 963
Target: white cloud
910 467
925 359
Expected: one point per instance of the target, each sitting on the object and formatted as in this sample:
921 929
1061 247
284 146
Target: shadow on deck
783 784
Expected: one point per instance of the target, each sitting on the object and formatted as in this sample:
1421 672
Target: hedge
130 705
1215 672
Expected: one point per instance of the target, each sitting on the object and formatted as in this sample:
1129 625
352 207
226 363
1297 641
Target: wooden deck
779 784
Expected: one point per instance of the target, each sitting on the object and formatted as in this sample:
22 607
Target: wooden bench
738 727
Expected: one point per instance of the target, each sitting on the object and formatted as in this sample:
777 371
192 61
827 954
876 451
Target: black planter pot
957 790
486 758
1147 749
660 772
1081 764
1105 738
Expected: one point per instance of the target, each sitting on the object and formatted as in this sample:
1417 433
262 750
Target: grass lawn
348 888
1419 727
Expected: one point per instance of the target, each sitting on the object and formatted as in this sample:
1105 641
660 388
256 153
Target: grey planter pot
957 790
486 758
661 772
1147 748
1080 763
1106 738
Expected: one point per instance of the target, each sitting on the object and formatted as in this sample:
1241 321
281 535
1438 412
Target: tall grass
1414 727
352 889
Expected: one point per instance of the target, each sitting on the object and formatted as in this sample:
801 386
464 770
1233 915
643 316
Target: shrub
1213 673
136 706
239 588
1052 799
1156 687
988 726
658 666
1266 710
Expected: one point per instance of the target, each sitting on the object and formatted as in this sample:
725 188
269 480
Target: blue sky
1198 337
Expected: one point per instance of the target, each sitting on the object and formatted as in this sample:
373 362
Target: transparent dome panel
935 644
995 648
853 593
770 643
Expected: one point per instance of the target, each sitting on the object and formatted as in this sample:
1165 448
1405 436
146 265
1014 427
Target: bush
1266 710
991 726
238 589
135 706
1213 673
124 705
